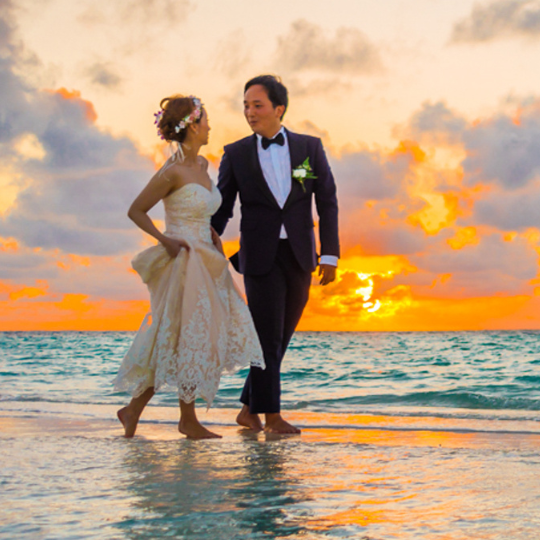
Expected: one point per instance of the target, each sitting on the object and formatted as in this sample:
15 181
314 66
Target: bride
199 325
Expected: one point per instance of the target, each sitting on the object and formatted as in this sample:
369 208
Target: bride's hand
216 240
174 246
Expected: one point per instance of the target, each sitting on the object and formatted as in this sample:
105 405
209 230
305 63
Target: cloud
74 193
330 85
510 211
6 25
491 253
23 266
490 267
503 151
233 54
309 128
374 238
169 12
499 19
448 219
307 48
369 175
77 195
160 13
147 21
12 88
437 123
104 74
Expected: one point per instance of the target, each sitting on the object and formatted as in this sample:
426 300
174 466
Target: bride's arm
158 188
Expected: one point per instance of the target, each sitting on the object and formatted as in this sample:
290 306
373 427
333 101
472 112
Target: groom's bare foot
248 420
129 421
276 424
193 430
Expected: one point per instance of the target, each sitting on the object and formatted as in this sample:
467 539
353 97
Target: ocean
411 435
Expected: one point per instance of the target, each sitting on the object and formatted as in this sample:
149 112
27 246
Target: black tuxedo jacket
261 217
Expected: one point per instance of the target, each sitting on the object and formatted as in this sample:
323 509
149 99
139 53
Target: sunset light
437 175
372 168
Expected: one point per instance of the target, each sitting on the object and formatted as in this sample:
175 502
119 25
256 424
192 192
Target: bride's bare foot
193 430
276 424
248 420
129 421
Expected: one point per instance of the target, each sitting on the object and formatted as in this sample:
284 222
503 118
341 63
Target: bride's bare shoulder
171 172
203 161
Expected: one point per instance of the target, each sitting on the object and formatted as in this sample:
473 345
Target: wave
433 399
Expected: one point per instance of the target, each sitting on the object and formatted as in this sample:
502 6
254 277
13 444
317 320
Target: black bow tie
278 139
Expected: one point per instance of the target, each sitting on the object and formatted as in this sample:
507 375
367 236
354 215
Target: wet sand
159 424
71 474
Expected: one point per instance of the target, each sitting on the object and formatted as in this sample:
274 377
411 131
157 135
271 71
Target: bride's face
204 128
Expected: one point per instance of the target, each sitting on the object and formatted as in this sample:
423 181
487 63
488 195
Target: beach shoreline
159 423
371 479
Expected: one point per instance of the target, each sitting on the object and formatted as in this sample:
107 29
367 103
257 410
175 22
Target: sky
429 111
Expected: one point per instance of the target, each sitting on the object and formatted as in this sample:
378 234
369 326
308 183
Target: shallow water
405 436
62 481
323 371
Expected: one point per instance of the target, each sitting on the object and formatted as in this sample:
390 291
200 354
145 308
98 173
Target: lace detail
199 326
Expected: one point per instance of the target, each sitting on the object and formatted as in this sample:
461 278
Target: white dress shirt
276 167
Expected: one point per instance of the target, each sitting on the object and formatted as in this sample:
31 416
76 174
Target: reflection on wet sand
350 483
359 482
239 490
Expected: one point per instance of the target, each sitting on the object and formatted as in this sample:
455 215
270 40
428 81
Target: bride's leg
129 416
190 426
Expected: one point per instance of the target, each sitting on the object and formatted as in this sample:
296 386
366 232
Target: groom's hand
328 273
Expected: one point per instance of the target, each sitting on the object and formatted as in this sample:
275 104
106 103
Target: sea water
405 435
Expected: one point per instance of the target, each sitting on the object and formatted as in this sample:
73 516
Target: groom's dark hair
276 90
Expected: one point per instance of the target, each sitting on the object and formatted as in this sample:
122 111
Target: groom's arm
327 207
228 187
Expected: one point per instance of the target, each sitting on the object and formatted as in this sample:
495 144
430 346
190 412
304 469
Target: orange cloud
412 148
29 292
465 236
89 110
71 260
9 244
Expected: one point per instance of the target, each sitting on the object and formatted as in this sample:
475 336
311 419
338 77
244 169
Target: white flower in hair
194 115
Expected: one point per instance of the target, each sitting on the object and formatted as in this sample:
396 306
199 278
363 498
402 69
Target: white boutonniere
302 172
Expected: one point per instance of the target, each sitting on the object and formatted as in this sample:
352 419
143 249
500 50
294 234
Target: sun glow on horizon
437 169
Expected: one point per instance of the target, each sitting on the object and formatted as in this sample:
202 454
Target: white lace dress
199 325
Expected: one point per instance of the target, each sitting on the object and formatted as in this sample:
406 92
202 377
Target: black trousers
276 301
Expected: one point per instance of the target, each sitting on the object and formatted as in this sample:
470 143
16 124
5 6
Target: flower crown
194 115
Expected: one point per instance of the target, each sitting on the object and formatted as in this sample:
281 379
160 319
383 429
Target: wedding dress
199 326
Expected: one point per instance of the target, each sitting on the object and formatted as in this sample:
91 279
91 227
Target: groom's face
263 118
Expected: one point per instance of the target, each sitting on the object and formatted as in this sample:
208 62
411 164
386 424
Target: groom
276 173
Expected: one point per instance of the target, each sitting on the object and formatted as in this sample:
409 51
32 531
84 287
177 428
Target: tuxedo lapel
255 167
298 154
